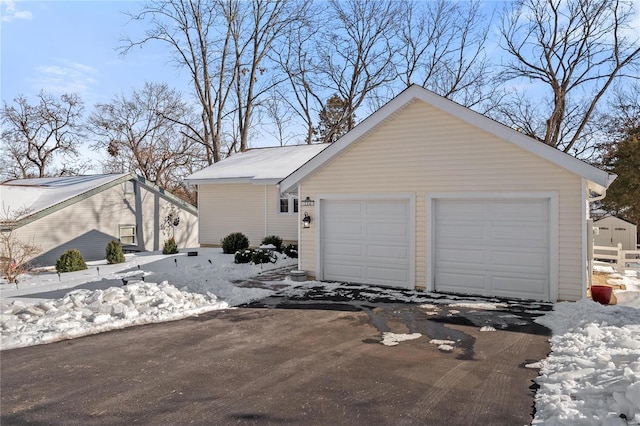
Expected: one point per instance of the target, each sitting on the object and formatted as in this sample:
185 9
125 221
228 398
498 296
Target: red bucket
601 293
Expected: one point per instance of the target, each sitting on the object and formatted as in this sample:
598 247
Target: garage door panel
345 249
386 210
462 281
518 286
367 241
526 261
509 233
506 243
396 231
461 257
460 209
384 276
388 252
343 272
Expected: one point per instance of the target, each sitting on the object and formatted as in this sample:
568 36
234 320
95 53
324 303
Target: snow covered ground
45 308
591 377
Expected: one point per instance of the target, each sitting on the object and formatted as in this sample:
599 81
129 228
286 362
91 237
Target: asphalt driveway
301 365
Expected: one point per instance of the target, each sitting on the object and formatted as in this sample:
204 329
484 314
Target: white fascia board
224 181
592 174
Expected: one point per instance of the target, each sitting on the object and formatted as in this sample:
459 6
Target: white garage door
367 241
492 247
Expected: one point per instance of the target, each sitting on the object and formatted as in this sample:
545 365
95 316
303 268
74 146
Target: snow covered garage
427 193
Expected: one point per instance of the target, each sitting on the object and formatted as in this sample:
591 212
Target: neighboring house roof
614 217
38 197
599 180
257 165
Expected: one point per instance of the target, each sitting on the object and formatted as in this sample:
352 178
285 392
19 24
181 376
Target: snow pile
45 308
443 345
592 376
393 339
83 312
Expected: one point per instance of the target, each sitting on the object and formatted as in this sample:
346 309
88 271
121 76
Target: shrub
114 252
291 250
263 256
243 256
273 240
71 260
170 246
234 242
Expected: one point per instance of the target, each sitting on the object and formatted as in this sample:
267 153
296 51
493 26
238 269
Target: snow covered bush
243 256
263 256
291 250
114 252
274 240
170 246
71 260
234 242
15 254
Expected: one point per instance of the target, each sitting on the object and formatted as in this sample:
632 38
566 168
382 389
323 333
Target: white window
289 204
128 235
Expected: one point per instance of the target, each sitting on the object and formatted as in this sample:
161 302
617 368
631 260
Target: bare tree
42 139
185 26
573 51
256 30
144 134
15 254
442 48
356 51
296 58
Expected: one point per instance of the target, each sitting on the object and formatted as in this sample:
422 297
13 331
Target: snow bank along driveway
591 377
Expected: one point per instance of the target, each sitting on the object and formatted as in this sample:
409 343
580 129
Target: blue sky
70 47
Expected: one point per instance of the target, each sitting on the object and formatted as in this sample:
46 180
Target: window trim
293 205
123 226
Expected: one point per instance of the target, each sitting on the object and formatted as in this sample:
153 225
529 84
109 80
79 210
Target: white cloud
66 77
10 13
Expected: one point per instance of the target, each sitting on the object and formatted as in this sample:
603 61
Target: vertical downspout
266 211
298 227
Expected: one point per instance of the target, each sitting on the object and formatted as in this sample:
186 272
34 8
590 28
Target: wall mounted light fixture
306 220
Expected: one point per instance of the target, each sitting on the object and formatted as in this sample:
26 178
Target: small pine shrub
114 252
71 260
170 246
234 242
263 256
243 256
291 250
273 240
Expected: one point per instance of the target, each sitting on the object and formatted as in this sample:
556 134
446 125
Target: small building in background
613 230
86 212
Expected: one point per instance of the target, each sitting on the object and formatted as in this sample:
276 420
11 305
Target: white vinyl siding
251 209
422 150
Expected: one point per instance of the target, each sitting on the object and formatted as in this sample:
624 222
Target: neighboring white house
613 231
86 212
427 193
240 194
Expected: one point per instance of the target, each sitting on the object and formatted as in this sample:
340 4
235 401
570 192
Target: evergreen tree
623 196
334 121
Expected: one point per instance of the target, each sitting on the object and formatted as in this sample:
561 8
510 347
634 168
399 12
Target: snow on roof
38 194
273 163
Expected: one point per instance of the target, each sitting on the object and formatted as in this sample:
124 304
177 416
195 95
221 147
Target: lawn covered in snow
591 377
48 307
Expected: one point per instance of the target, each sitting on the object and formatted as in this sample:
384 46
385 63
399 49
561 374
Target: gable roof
599 179
261 166
39 197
